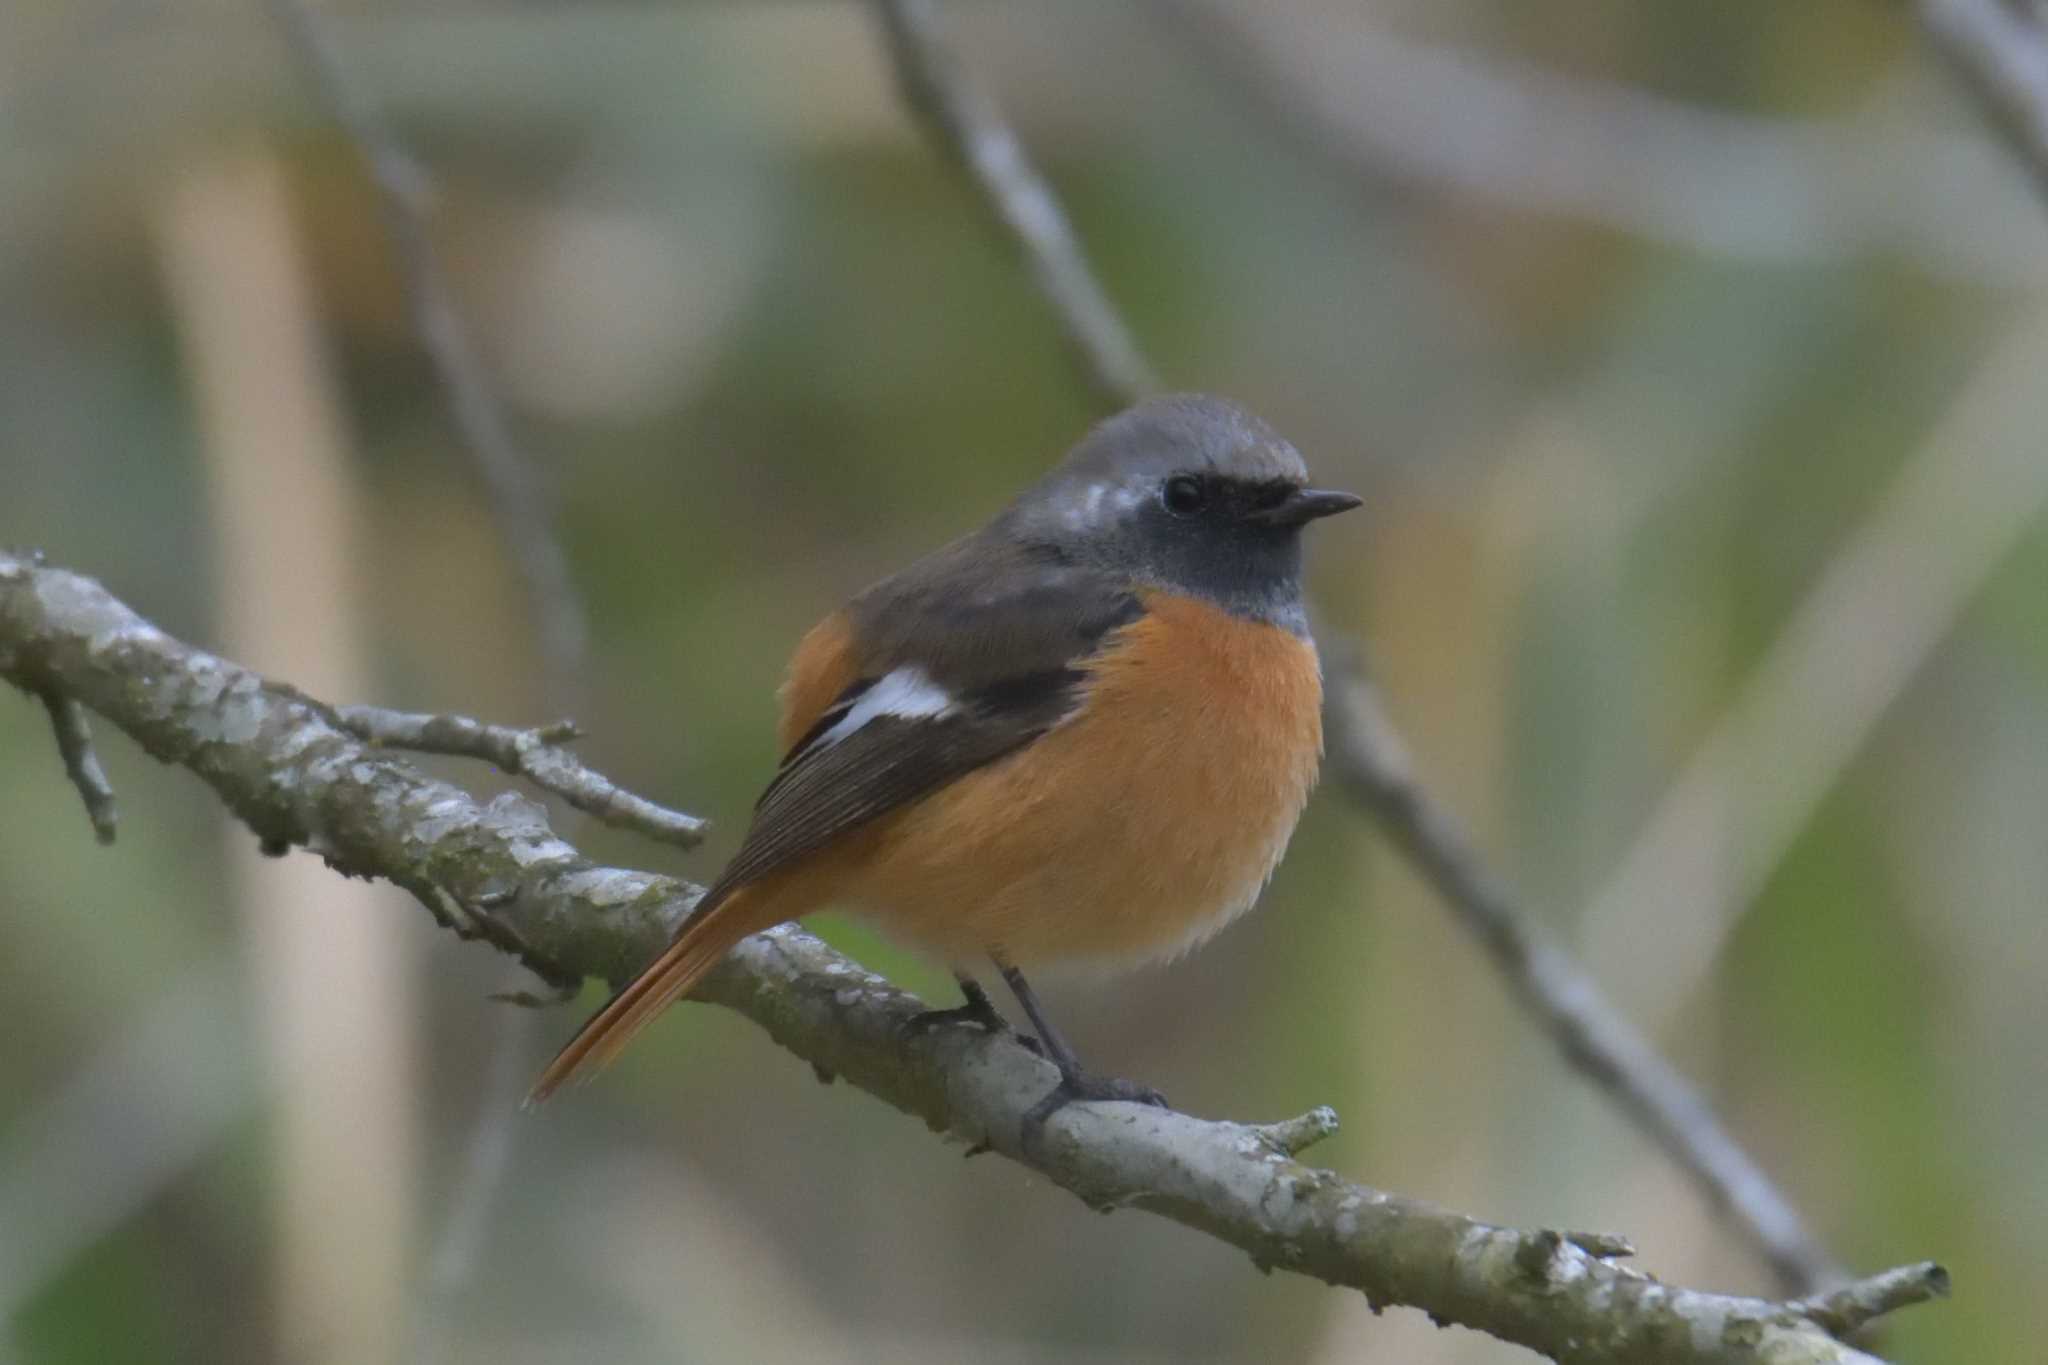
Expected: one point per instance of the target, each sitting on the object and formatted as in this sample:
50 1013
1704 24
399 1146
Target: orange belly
1130 832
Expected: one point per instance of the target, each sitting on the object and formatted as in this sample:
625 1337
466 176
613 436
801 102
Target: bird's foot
975 1014
1077 1085
978 1012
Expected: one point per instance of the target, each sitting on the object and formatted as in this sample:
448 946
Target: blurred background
1688 357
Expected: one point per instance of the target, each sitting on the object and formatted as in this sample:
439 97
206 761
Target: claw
977 1011
981 1015
1080 1086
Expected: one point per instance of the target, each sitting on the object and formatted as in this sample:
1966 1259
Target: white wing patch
907 691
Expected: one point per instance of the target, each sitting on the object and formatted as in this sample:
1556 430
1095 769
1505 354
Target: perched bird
1082 733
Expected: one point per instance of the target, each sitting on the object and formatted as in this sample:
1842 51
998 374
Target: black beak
1305 505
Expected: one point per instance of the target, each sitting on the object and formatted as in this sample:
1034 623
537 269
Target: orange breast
1132 831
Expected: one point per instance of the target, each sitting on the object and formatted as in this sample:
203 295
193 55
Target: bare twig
536 755
518 499
1373 765
82 764
969 126
1605 1245
1855 1306
1292 1137
498 872
2000 53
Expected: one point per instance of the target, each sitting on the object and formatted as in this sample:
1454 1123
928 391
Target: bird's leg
1075 1084
978 1011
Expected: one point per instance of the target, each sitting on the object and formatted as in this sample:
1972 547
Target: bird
1082 734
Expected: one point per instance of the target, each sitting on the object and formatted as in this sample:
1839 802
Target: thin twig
518 499
82 763
944 92
2001 56
536 755
1605 1245
498 871
1292 1137
1853 1307
1372 763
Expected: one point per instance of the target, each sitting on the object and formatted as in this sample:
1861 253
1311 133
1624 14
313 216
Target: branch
1373 763
1368 757
1376 108
966 122
2001 56
82 764
1855 1306
536 755
522 509
519 504
288 767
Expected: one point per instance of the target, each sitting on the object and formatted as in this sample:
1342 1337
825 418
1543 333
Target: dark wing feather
889 762
1045 624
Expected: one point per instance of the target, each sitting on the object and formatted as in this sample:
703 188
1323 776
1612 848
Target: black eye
1184 495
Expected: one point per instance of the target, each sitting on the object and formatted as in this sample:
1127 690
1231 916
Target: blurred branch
283 763
518 500
525 519
1369 758
334 1001
81 764
2000 53
966 122
536 755
1375 769
1379 107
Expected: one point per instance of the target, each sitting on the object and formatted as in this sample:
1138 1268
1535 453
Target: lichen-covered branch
293 772
536 755
290 770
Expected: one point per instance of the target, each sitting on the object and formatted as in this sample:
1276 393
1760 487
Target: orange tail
711 929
